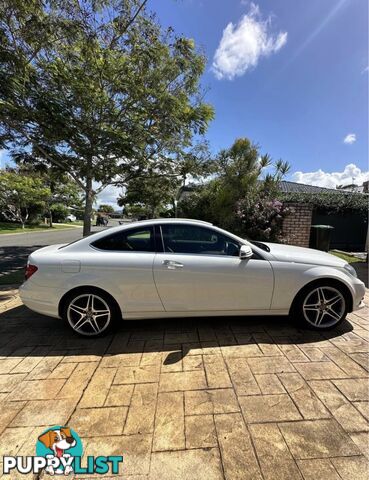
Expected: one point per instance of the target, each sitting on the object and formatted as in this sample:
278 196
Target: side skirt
209 313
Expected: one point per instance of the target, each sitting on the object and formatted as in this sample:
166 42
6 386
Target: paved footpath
208 399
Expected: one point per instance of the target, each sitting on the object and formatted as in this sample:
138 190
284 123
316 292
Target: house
350 226
352 187
294 187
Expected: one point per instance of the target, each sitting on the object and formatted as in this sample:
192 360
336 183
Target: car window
197 240
133 240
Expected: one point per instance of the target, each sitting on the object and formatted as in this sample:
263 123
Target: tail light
30 270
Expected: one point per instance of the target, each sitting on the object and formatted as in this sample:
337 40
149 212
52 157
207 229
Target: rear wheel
321 306
90 313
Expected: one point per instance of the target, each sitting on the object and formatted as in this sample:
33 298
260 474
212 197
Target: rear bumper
41 299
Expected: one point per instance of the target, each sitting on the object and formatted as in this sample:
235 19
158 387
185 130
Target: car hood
291 253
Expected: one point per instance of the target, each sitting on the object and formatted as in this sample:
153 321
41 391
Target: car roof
76 245
170 220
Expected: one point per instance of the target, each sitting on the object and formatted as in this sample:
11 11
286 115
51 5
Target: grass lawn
8 227
78 222
14 278
348 258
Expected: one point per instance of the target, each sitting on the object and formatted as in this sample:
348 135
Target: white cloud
243 44
350 174
109 196
350 138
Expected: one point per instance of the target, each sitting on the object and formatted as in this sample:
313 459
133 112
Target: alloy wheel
324 307
89 314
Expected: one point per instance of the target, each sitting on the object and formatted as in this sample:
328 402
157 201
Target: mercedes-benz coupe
185 268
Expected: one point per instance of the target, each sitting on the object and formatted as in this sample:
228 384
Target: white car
185 268
71 218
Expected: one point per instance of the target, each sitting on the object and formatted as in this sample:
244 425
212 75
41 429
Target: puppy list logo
59 452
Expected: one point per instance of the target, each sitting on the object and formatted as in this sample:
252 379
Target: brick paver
229 398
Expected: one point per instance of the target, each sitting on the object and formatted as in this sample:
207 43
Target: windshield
260 245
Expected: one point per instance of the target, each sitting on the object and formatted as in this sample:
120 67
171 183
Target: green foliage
105 208
331 202
152 194
59 212
20 194
261 217
135 211
97 89
156 192
236 199
63 191
344 256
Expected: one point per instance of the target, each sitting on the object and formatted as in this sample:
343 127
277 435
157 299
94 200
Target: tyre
321 306
90 312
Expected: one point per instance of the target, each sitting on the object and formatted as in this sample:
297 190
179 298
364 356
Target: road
15 248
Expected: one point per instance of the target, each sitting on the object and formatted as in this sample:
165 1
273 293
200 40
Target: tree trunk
88 208
51 219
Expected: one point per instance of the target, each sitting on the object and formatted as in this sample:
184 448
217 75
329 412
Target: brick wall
296 226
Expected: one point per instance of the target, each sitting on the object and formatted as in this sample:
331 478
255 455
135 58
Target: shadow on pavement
13 258
24 333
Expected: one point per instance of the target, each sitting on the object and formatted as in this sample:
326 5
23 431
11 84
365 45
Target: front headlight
350 269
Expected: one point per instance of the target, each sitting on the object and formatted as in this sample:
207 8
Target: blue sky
300 98
291 75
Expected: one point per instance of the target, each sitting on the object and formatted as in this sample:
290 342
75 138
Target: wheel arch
324 281
85 288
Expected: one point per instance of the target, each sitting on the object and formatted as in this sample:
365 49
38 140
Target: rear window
134 240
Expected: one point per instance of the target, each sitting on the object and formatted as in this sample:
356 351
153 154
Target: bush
262 220
241 197
331 202
59 212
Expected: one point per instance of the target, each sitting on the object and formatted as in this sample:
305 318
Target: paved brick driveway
192 399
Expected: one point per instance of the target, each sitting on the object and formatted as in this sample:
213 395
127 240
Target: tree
19 193
97 89
58 213
105 208
241 197
64 192
151 193
195 163
156 193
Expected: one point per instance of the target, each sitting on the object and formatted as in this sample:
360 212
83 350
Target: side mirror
245 252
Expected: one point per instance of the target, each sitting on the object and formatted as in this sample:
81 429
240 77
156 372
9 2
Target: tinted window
198 240
134 240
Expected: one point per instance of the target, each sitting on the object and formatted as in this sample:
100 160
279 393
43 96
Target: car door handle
172 265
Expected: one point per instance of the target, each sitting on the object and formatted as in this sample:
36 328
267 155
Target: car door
200 270
125 264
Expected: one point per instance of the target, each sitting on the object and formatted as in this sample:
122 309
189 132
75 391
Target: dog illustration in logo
58 441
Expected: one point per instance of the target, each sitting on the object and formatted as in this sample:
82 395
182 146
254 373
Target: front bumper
358 297
361 305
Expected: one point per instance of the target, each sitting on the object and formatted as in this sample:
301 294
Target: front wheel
89 313
321 307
